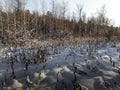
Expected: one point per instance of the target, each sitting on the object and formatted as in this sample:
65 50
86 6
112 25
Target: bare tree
80 19
101 17
1 25
80 12
62 7
54 14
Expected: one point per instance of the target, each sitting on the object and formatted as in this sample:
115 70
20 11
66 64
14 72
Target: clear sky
89 6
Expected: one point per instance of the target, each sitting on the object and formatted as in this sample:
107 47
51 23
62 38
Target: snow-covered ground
72 67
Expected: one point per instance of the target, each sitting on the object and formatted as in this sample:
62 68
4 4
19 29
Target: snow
94 68
42 75
15 85
36 77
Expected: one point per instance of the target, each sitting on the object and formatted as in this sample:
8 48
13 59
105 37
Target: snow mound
105 57
15 85
42 75
65 68
36 75
36 78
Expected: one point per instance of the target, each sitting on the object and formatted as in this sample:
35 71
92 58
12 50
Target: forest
18 24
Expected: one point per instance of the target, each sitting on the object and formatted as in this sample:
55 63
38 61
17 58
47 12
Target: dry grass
66 41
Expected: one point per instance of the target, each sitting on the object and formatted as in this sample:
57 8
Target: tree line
18 24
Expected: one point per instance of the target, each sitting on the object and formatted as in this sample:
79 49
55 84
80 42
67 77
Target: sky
90 7
113 7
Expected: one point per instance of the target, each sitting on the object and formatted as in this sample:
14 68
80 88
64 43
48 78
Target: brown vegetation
19 25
